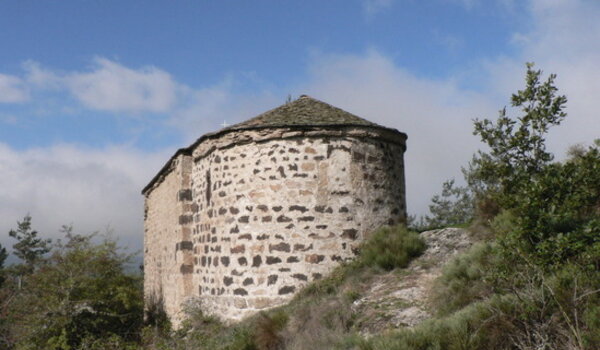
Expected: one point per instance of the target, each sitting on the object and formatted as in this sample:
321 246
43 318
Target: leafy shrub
391 247
268 328
465 279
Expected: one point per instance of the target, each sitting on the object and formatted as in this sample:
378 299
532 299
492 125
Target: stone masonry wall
167 241
275 209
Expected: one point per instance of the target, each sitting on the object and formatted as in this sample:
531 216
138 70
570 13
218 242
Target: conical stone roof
305 111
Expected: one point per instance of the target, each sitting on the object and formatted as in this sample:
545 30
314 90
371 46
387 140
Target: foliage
454 206
517 146
465 279
78 295
3 256
391 247
29 248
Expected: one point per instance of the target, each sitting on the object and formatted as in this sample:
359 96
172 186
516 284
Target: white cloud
40 77
12 89
110 86
64 184
114 87
373 7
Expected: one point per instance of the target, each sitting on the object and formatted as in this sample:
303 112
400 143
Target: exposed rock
396 300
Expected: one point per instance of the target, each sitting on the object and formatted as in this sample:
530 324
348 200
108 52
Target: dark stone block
225 261
314 258
281 172
277 208
240 291
350 234
185 195
244 219
290 226
217 159
278 236
306 218
287 290
267 218
285 269
317 276
245 236
262 237
293 167
203 261
256 261
302 248
234 229
248 281
358 157
208 189
292 259
339 193
298 208
186 268
273 260
283 218
242 261
185 219
222 211
282 247
300 276
234 210
237 273
222 194
272 279
321 227
184 245
336 258
343 210
262 207
238 249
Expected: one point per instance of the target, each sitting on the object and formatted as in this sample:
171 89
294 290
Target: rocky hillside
399 298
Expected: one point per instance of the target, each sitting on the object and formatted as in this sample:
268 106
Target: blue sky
96 95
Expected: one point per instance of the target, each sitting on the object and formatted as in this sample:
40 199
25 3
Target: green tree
29 247
82 293
3 256
454 206
517 149
553 206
